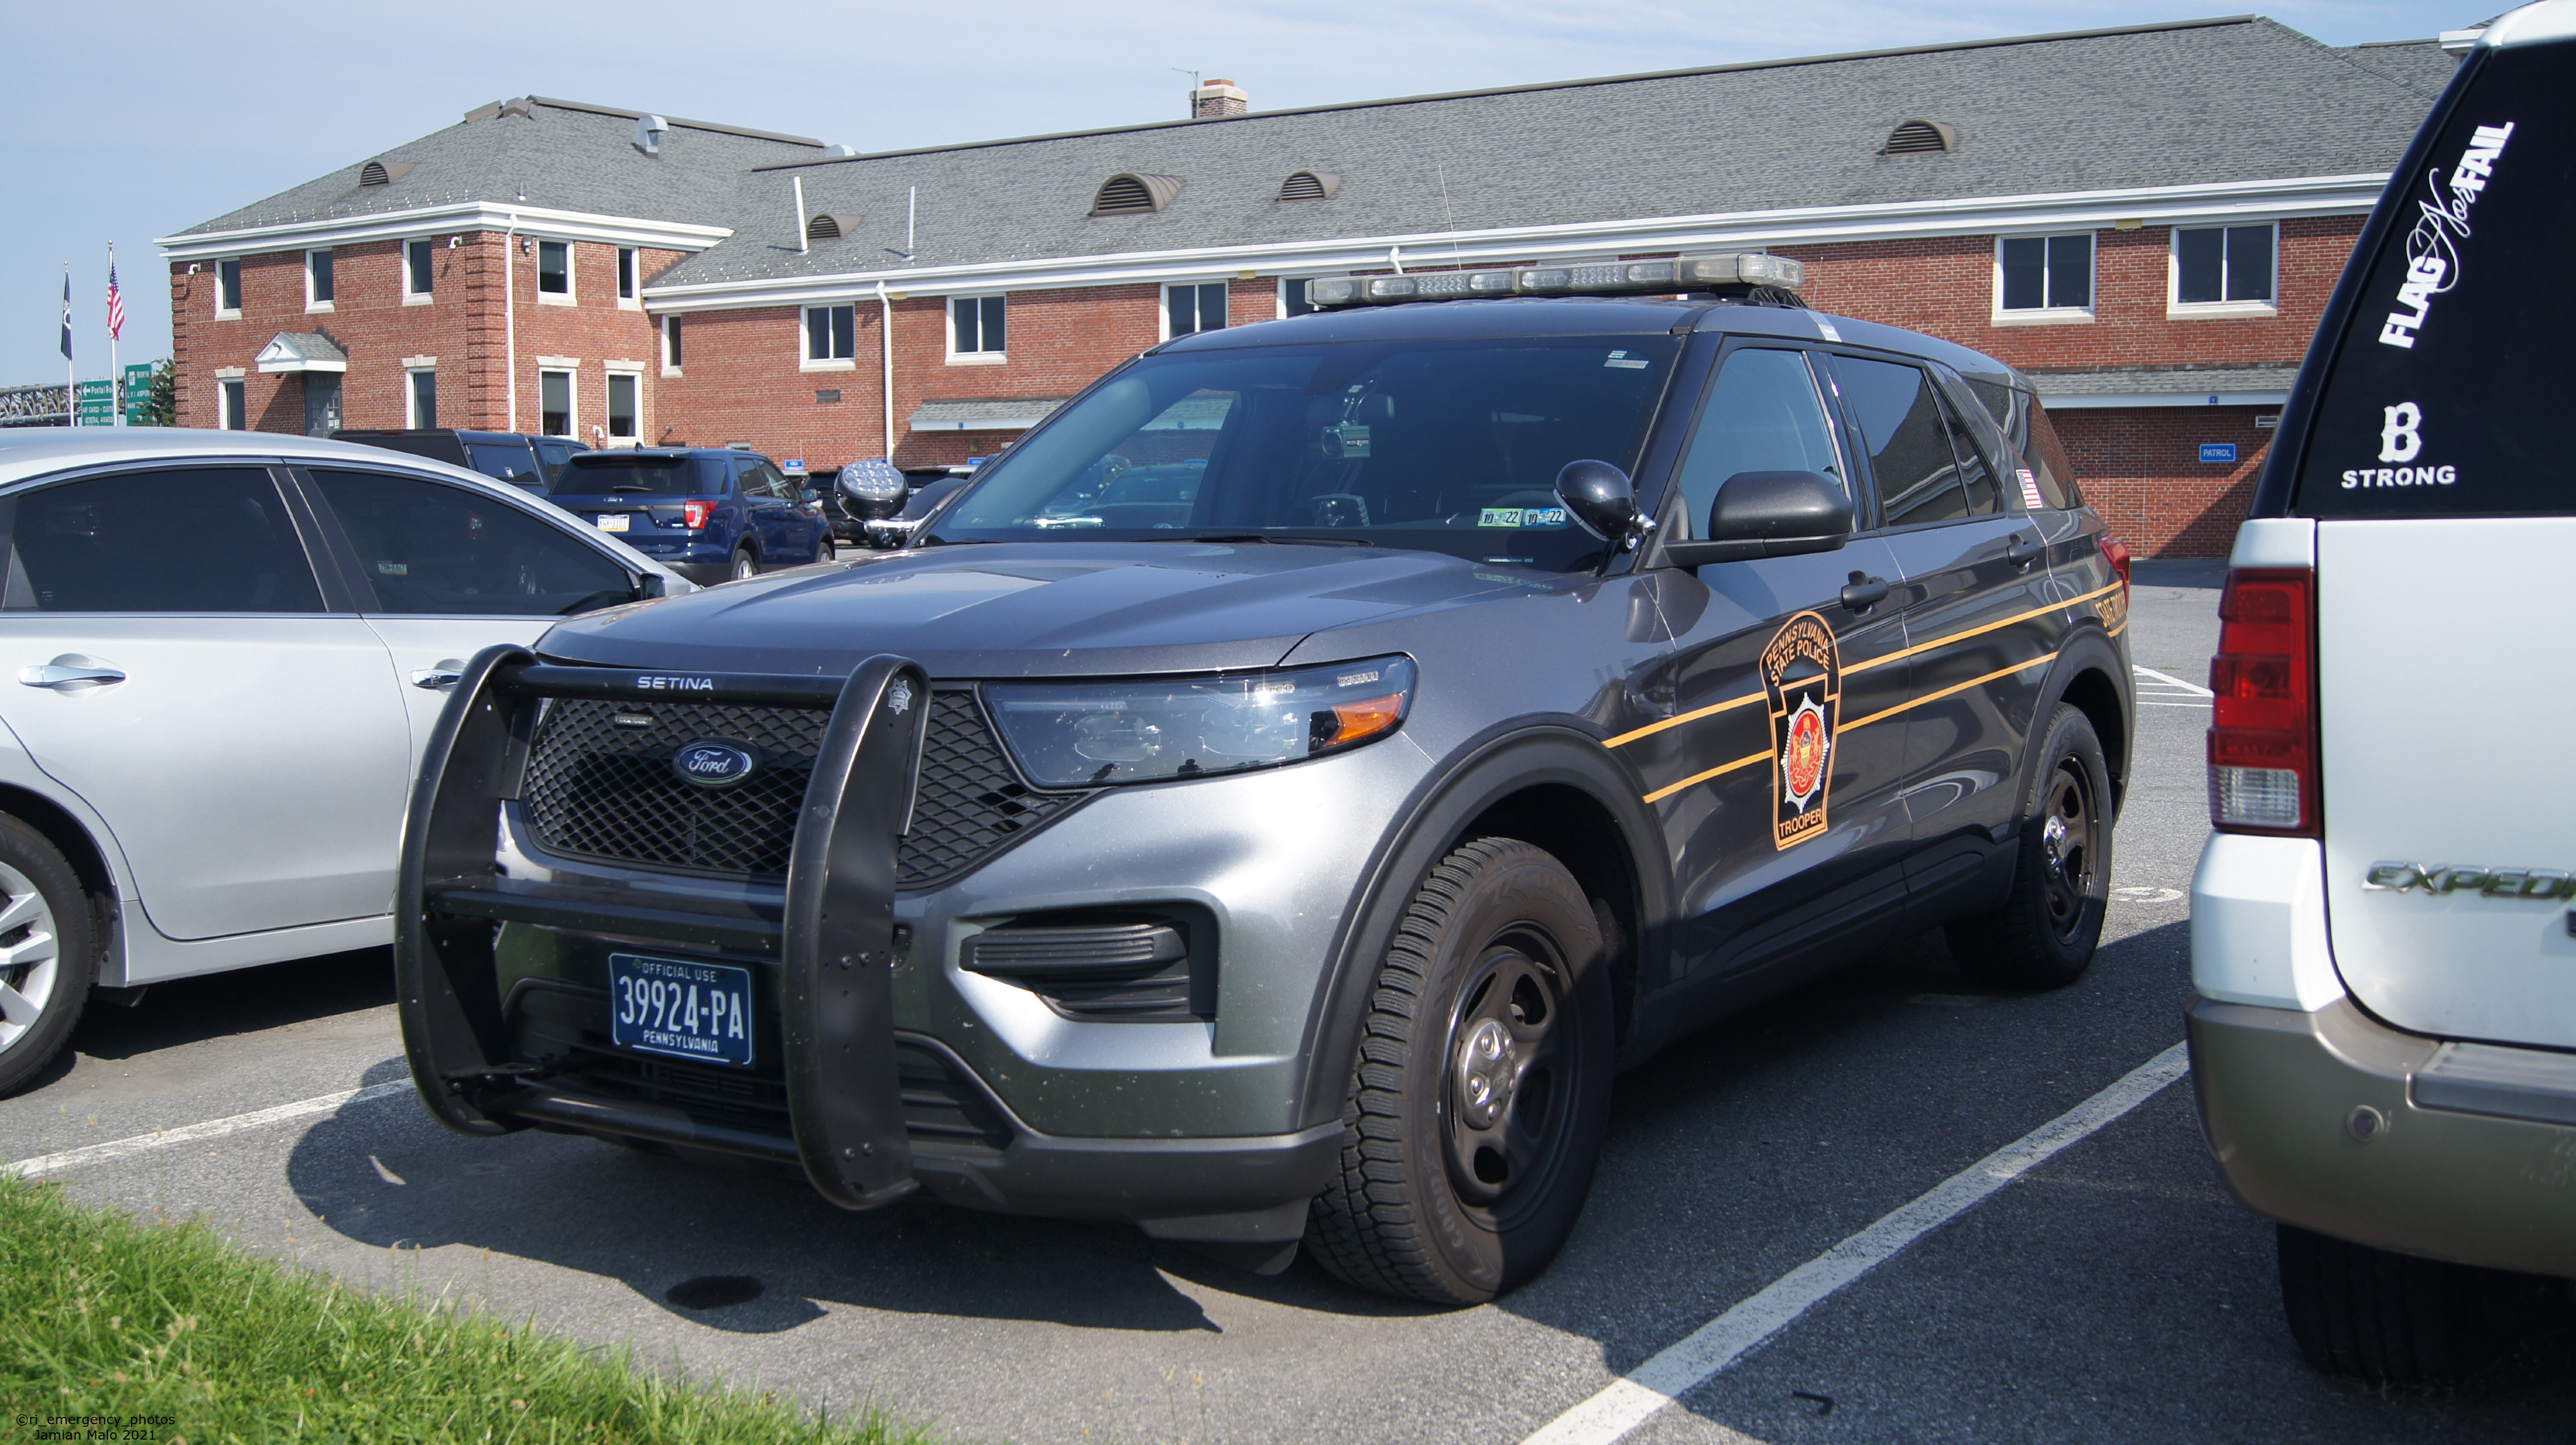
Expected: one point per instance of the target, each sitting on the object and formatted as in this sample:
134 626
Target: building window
554 403
623 389
975 331
554 269
235 404
228 286
670 346
831 333
2045 278
2224 270
1193 308
420 402
420 261
1292 298
317 281
626 275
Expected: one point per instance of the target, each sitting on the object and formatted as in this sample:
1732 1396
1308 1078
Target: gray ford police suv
1268 803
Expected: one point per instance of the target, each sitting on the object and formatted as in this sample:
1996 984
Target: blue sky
136 120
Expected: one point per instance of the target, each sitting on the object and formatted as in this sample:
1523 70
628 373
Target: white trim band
324 232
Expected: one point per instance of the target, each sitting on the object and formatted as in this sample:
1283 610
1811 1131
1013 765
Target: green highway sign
94 403
138 394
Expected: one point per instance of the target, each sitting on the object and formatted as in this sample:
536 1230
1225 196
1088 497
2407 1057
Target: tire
48 953
2392 1318
2044 934
744 565
1482 1085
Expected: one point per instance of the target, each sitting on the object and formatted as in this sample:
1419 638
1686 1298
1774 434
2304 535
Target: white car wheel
47 959
30 956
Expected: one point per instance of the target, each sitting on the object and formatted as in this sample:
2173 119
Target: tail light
2263 774
693 515
2116 552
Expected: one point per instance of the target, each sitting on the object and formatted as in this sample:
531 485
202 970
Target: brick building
2146 220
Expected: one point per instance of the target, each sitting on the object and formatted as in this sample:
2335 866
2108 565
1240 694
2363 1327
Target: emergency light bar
1603 278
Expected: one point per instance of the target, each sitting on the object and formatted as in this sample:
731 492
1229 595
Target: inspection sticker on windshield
1625 362
680 1007
1521 517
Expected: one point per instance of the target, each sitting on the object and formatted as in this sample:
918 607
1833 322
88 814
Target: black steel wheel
2045 933
1482 1086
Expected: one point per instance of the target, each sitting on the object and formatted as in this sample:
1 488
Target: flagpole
115 378
71 378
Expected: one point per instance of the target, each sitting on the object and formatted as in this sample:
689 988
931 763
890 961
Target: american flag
115 305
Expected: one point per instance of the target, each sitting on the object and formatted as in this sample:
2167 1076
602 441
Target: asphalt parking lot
2111 1291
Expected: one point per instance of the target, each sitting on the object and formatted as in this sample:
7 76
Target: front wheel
1482 1086
47 956
2046 931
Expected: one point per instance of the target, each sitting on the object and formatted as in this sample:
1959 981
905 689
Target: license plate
612 521
682 1008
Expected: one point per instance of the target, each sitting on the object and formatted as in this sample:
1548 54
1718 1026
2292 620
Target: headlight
1085 735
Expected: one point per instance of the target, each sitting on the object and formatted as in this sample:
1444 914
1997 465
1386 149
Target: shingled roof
556 154
2241 99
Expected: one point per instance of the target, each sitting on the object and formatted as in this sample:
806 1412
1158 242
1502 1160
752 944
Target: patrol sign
2218 451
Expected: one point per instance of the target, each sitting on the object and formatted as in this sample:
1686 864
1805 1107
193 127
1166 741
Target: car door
1772 770
1979 623
175 666
442 571
766 512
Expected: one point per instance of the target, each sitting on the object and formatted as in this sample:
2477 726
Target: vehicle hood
997 610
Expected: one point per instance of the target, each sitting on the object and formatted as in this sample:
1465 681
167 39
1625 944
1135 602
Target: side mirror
1602 501
808 494
653 585
1770 514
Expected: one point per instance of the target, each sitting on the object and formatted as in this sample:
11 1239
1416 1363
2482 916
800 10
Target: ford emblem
714 763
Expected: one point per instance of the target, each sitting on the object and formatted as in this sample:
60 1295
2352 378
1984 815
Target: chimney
1218 97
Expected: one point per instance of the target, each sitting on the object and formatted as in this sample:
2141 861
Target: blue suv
710 515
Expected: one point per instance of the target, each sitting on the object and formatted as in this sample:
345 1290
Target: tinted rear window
592 475
2448 388
2025 424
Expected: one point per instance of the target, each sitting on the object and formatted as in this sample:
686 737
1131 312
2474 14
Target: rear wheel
744 565
2394 1318
2044 934
47 954
1482 1086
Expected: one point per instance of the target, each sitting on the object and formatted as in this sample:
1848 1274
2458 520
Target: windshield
509 463
1446 446
597 474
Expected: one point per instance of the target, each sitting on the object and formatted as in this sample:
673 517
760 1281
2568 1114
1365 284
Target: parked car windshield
1447 446
593 474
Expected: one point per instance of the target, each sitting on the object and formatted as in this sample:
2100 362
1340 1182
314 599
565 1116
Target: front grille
599 789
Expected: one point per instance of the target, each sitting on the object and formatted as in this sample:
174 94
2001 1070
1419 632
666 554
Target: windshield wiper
1260 537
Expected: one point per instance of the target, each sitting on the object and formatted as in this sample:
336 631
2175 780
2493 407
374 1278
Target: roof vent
839 152
649 130
830 226
382 173
1310 185
1128 194
1920 137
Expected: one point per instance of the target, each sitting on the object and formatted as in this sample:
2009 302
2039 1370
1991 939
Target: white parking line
194 1133
2163 689
1634 1397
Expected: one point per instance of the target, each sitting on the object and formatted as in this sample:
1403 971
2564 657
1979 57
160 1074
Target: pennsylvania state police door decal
1802 675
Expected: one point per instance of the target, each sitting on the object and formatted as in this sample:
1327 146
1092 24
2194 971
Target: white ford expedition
2384 1042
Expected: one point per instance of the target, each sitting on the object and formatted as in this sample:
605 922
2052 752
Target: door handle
1864 593
435 678
2022 551
54 675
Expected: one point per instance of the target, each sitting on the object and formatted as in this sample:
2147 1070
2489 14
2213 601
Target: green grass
102 1315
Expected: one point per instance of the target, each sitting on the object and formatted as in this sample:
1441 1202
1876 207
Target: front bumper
2473 1164
1188 1129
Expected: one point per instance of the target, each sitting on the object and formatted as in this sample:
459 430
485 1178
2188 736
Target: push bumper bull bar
833 938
